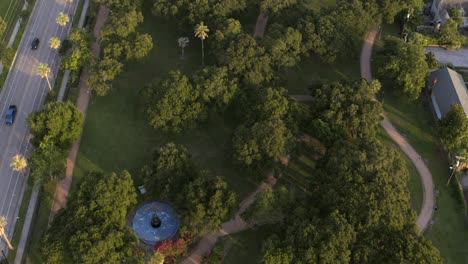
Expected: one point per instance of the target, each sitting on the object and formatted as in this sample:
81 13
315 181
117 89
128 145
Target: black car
10 116
35 44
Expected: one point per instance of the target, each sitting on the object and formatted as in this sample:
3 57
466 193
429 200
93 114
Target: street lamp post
4 257
454 168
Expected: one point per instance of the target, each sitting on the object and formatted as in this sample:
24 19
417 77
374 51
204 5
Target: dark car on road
35 44
10 116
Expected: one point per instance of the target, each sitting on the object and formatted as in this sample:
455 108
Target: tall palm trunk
2 233
202 53
50 87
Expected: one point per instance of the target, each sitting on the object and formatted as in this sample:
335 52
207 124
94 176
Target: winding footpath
425 215
235 225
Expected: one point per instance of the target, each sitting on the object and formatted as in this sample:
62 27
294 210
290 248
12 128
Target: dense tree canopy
92 227
453 129
264 141
47 162
203 201
200 10
207 203
347 108
404 64
169 170
284 45
358 212
173 103
215 86
246 59
58 122
274 6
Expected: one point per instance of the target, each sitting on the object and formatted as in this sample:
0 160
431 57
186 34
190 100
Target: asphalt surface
25 89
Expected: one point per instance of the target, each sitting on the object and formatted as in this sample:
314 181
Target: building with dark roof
447 87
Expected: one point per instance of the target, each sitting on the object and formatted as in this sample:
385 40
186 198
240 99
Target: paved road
427 209
456 57
26 90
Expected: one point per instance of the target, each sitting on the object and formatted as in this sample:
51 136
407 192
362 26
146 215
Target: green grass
245 247
312 70
116 133
414 120
40 223
301 167
19 224
76 17
9 10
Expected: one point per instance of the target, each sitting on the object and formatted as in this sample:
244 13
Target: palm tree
62 19
3 223
43 70
183 42
201 31
54 42
18 163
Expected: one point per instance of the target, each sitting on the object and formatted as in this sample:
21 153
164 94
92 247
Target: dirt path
425 215
235 225
61 191
260 26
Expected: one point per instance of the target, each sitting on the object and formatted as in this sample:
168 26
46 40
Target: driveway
26 90
456 57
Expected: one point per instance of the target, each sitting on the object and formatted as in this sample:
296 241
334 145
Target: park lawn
301 167
414 120
245 247
9 10
415 187
314 71
116 133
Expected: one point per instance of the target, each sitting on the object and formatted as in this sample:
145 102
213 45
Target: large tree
284 45
453 129
59 122
170 168
173 103
194 11
92 227
207 203
262 142
201 31
215 86
246 59
274 6
47 162
347 108
404 65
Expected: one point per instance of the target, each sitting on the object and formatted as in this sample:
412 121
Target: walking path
61 192
425 215
235 225
260 26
